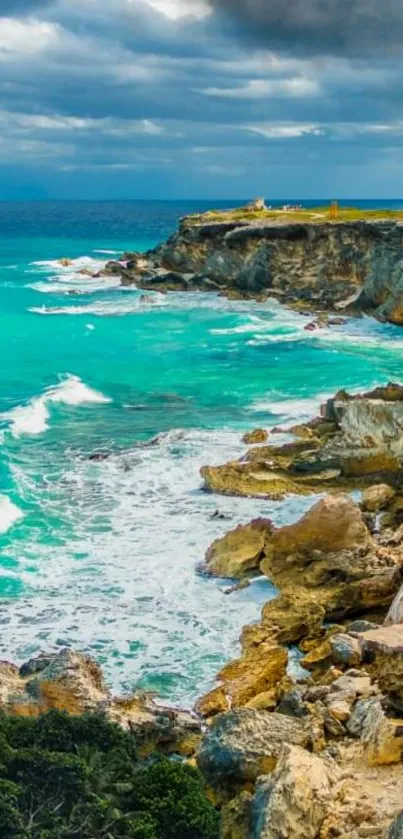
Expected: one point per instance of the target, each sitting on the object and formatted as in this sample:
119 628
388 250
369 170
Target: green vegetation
313 215
64 777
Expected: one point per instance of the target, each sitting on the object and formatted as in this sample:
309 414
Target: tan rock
72 682
259 435
340 710
385 645
382 737
295 614
255 672
377 498
243 744
294 801
240 551
333 524
212 703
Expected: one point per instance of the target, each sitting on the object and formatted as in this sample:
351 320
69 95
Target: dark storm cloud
96 89
318 27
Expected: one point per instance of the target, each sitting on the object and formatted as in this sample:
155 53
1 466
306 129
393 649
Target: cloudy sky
201 98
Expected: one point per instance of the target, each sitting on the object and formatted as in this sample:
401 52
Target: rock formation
354 265
72 682
355 443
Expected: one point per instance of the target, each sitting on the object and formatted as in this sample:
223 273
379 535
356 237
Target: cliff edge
302 258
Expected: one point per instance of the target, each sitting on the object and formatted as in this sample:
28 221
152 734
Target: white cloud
25 38
278 131
297 87
176 9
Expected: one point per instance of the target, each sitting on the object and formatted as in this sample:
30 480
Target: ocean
103 555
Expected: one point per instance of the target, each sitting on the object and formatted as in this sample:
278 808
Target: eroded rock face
357 443
73 682
241 745
355 265
240 551
330 560
294 800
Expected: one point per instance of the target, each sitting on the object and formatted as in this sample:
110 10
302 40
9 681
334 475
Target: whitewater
110 402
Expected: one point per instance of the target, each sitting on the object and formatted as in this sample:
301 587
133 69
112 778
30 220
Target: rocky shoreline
314 266
316 754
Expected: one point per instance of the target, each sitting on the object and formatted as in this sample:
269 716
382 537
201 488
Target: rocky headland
304 259
313 750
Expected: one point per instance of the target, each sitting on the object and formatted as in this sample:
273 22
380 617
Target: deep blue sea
103 556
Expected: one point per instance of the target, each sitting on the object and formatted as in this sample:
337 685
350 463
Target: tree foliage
64 777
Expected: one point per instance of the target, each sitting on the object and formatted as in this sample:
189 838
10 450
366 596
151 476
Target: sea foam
9 514
33 417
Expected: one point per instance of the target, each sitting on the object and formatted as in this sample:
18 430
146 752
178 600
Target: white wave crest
33 417
9 513
99 250
56 265
104 308
75 283
290 409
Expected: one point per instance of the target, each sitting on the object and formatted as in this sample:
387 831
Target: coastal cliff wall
357 265
325 263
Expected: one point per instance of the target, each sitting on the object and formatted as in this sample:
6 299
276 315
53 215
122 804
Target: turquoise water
103 555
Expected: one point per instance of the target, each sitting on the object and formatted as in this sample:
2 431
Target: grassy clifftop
313 215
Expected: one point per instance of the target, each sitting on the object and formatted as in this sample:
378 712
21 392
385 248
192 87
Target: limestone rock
345 649
294 801
377 498
353 683
73 682
382 737
386 646
241 745
240 551
259 435
330 560
258 670
333 524
293 615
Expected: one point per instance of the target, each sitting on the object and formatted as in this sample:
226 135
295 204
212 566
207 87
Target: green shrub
64 777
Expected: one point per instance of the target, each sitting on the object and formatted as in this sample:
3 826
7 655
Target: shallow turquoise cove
103 555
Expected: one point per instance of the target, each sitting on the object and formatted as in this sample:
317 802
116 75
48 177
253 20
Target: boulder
259 669
243 744
333 524
330 560
345 649
382 737
240 551
385 647
294 801
258 435
377 498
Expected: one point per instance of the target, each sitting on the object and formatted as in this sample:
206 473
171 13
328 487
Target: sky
209 99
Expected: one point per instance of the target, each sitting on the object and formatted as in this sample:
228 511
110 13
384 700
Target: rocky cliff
319 265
